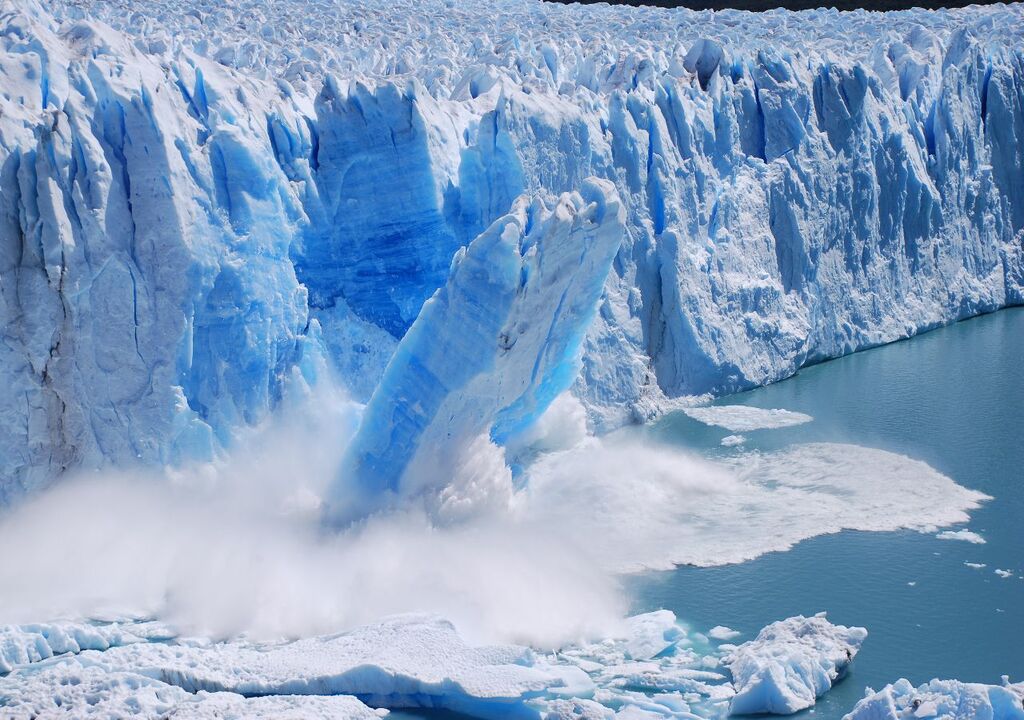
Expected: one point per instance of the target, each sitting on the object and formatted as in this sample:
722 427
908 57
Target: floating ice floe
964 534
790 664
733 440
942 700
1004 573
743 418
721 632
975 566
653 668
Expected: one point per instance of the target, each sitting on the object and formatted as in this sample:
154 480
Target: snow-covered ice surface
942 700
21 644
743 418
209 205
652 667
790 664
405 661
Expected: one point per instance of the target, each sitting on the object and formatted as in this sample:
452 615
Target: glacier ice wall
488 353
203 205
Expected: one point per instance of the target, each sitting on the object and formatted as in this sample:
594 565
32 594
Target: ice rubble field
655 669
460 211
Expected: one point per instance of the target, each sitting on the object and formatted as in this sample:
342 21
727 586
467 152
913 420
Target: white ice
721 632
942 700
963 534
744 418
790 664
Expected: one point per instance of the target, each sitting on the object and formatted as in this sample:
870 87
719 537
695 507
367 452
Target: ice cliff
206 204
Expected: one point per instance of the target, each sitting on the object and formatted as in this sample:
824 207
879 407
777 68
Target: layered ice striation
489 352
207 204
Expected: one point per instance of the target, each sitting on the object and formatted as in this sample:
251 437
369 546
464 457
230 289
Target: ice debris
942 700
790 664
963 534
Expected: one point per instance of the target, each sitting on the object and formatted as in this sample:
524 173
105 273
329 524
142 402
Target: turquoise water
952 398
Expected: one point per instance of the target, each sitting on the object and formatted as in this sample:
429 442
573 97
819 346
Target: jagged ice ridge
206 205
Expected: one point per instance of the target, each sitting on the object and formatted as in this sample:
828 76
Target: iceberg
942 700
206 208
790 664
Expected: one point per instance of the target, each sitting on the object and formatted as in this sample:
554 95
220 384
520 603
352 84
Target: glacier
208 206
487 222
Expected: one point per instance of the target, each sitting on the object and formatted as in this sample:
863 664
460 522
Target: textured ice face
213 203
487 355
942 700
790 664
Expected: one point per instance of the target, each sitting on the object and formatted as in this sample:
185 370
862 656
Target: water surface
952 398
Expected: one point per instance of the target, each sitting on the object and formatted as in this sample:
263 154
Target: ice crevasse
205 205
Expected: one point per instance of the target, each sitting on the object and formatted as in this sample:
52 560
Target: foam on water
642 505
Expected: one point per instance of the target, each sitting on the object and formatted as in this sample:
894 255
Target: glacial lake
953 398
